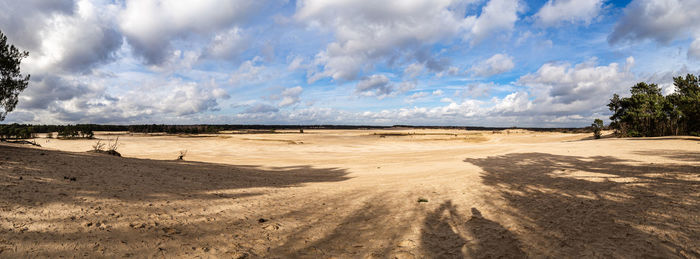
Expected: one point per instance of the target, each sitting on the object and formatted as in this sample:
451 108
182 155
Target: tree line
648 113
174 129
26 131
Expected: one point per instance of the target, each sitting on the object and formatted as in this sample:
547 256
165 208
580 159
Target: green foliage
175 129
12 82
648 113
686 101
597 128
77 131
16 131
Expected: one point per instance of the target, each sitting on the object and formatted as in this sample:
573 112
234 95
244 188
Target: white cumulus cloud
370 31
555 12
496 64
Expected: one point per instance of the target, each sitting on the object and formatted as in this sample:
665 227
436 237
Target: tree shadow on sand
446 234
62 176
121 207
685 156
372 229
569 206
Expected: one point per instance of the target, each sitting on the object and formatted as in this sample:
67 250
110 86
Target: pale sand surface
353 194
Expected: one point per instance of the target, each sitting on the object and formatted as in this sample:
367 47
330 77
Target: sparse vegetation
109 148
597 128
99 146
422 200
182 155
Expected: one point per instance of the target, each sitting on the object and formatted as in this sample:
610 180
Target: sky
534 63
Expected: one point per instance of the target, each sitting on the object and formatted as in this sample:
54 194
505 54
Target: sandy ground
353 194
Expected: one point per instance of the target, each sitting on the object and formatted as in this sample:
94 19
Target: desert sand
353 194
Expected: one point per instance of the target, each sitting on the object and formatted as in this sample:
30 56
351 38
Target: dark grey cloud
22 20
20 116
433 63
375 85
659 20
100 114
81 57
46 90
153 53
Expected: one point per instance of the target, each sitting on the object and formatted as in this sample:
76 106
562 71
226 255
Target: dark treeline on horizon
24 131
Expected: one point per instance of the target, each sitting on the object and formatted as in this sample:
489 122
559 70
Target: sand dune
353 193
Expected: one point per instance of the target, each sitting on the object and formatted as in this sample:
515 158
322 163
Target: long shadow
611 136
369 230
569 206
64 176
677 155
446 234
665 138
121 207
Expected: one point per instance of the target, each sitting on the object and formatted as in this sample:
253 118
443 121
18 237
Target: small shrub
113 146
422 200
597 127
99 146
107 148
182 154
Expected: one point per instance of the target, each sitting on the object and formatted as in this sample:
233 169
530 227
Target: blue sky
552 63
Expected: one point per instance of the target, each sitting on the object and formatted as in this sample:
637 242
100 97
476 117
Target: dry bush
182 154
113 146
99 146
107 148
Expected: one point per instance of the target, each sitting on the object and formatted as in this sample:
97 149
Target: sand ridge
353 193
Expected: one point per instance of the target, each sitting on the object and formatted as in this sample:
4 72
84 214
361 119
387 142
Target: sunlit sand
353 194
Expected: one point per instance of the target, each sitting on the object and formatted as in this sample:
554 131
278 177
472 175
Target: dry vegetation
109 147
349 194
